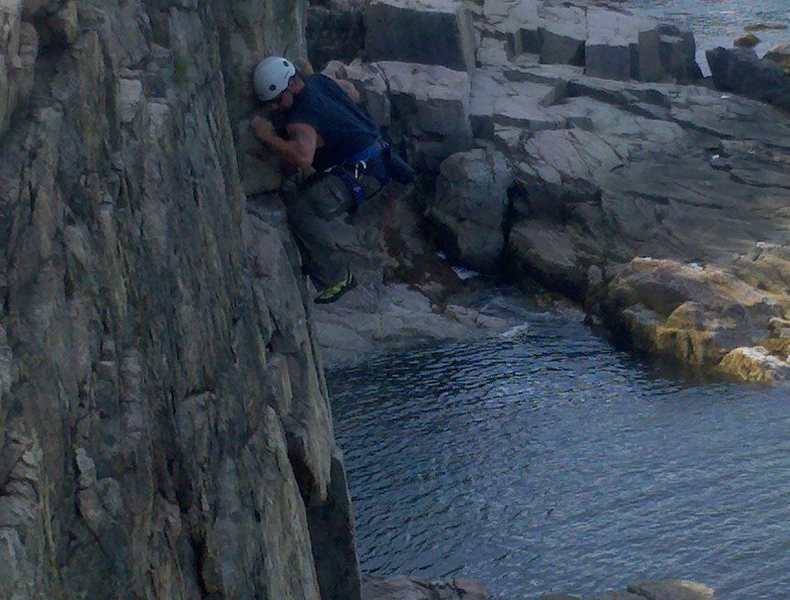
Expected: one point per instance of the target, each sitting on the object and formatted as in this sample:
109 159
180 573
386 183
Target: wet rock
674 589
431 32
470 205
748 40
407 588
741 71
670 589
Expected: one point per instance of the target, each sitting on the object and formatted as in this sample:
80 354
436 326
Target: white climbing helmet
271 77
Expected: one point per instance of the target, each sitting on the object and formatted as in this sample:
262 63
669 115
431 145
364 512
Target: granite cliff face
164 424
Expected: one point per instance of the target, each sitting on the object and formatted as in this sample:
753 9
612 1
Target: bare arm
298 150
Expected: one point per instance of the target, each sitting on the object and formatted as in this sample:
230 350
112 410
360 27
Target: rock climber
326 129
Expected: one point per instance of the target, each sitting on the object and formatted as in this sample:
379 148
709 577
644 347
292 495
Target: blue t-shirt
343 124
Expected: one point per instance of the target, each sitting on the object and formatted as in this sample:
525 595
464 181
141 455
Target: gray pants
319 217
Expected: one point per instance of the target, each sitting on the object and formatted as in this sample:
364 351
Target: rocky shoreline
165 427
577 146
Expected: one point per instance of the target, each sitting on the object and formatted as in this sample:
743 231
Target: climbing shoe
334 292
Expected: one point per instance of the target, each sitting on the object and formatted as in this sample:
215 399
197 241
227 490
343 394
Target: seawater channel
547 460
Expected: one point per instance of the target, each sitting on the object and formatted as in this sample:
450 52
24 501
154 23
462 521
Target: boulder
562 34
667 52
547 253
670 589
673 589
611 51
696 313
755 364
469 206
748 40
678 51
431 32
739 70
780 54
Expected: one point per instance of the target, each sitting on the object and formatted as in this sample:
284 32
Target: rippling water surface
719 22
545 460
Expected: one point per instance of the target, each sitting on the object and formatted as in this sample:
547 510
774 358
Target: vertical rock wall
164 428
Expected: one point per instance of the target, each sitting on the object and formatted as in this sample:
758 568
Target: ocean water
719 22
546 460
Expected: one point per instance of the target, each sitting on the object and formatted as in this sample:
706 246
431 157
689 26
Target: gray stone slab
487 86
470 204
562 34
492 51
611 51
525 113
521 27
678 50
497 101
438 96
433 32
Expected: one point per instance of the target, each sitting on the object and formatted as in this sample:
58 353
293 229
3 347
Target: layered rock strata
164 424
663 207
